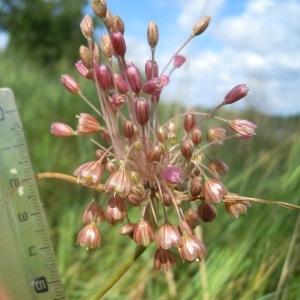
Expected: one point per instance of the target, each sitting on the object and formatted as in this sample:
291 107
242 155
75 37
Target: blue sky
255 42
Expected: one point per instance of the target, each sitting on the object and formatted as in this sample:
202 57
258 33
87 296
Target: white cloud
248 41
259 47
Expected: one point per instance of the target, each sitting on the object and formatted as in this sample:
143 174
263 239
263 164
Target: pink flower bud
104 76
172 175
62 130
118 43
155 85
142 111
121 85
179 60
244 128
151 69
70 84
237 93
134 77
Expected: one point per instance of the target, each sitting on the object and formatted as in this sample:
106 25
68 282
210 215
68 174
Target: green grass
252 257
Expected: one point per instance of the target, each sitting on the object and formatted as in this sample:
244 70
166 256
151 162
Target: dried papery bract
235 208
201 26
152 34
99 8
86 26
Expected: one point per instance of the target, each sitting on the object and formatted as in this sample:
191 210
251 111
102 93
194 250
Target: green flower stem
112 280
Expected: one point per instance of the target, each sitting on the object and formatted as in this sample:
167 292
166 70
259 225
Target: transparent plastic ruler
27 262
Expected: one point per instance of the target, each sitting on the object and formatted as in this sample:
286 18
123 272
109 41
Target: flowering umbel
144 168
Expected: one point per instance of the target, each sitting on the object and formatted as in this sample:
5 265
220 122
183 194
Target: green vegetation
253 257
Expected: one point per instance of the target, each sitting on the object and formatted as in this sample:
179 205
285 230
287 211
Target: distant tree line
45 31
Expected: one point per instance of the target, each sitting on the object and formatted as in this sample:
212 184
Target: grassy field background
252 257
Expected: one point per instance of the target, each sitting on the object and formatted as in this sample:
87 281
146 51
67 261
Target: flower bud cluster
143 164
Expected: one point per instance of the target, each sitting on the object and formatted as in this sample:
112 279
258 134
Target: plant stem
112 280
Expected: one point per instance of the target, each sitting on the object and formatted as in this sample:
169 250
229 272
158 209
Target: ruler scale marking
27 262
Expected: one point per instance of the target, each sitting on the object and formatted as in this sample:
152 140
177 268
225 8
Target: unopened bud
62 130
189 122
120 83
154 153
134 77
86 27
70 84
196 135
128 128
152 34
151 69
95 52
196 186
142 111
187 148
237 93
104 76
201 25
162 134
86 57
106 46
117 24
99 8
118 43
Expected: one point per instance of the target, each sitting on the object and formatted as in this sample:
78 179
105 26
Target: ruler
27 262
